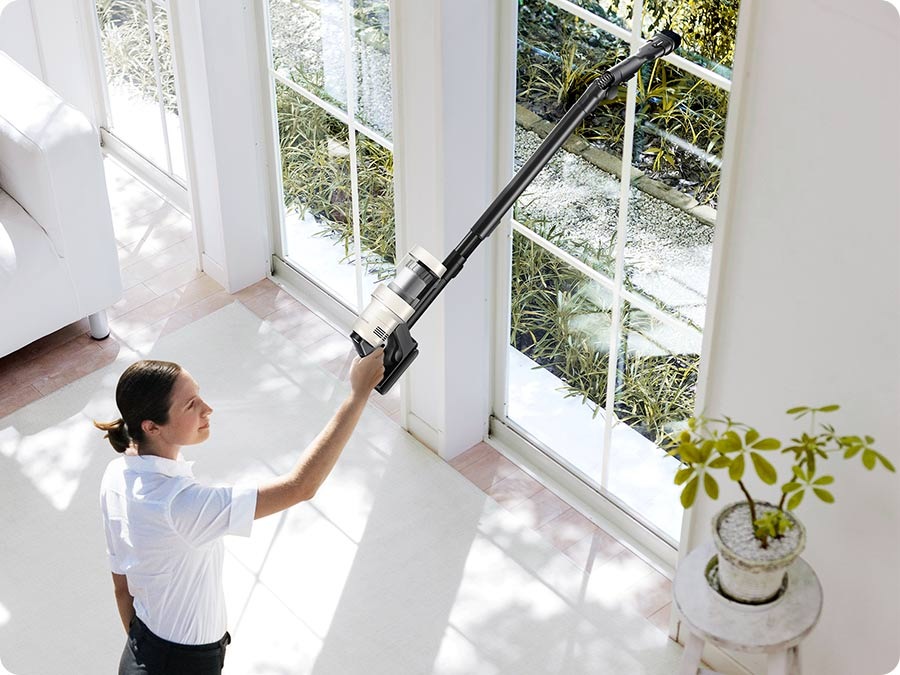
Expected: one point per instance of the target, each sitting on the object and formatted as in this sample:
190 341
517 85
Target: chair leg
778 663
99 325
693 652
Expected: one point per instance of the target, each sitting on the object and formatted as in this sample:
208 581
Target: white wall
48 38
446 169
807 305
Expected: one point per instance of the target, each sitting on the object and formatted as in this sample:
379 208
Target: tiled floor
164 291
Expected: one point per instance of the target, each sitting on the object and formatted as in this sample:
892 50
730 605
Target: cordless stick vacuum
396 306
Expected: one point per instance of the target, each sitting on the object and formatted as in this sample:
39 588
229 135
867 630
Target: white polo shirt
164 532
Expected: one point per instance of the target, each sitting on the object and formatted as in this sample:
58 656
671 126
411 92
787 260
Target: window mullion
615 333
158 75
350 79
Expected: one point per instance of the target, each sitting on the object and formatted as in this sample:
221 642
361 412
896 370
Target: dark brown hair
144 392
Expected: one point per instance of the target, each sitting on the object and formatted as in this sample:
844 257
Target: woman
164 529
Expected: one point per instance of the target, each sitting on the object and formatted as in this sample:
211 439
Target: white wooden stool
775 629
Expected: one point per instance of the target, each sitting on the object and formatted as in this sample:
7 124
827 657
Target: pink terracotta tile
490 469
541 508
514 489
568 528
17 397
261 286
75 369
267 300
151 312
472 455
175 277
289 315
151 266
309 332
198 310
132 298
661 618
49 364
45 344
594 549
649 594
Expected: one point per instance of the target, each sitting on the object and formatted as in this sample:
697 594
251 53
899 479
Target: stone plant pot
747 572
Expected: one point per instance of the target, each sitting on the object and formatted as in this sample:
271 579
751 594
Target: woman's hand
367 372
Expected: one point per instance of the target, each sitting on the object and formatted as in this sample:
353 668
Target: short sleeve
114 530
201 514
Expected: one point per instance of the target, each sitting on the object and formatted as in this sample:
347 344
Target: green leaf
795 500
852 451
711 486
824 480
870 440
720 462
729 442
736 470
799 409
884 460
790 487
683 475
764 468
799 473
869 459
767 444
824 495
689 494
752 435
689 453
829 408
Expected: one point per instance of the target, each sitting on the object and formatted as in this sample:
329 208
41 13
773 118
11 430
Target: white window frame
333 307
161 179
542 461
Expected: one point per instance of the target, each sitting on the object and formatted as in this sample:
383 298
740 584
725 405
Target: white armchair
58 260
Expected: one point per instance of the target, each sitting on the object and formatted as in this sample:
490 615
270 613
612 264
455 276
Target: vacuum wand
398 305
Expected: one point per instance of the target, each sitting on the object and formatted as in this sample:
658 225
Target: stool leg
796 667
777 662
693 651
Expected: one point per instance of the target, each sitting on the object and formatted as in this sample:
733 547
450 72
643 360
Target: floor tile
594 549
490 469
568 528
175 277
475 453
514 489
541 508
13 398
75 369
661 617
132 298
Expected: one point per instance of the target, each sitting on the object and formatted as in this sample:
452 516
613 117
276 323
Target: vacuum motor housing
394 302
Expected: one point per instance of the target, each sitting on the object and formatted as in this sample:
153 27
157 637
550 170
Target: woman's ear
149 427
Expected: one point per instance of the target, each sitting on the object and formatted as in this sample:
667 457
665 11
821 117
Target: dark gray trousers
148 654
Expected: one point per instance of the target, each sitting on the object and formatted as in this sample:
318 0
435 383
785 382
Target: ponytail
116 432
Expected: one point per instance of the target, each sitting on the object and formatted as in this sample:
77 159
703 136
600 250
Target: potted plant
756 540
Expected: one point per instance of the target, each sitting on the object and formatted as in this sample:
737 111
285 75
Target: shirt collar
154 464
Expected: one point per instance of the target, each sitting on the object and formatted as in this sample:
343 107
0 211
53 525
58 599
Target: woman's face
188 414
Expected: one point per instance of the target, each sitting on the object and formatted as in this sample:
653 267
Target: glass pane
167 81
372 51
678 142
559 356
131 77
615 11
559 55
375 167
656 381
315 165
308 46
574 201
707 28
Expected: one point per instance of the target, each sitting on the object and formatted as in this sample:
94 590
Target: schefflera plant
708 445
